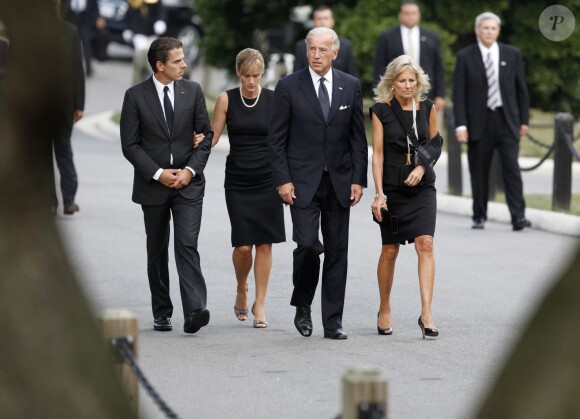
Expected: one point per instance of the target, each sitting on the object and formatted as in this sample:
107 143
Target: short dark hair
159 50
321 8
408 2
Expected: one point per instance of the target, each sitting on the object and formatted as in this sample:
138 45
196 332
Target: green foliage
552 68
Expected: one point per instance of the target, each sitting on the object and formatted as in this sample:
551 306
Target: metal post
364 395
562 182
122 323
454 171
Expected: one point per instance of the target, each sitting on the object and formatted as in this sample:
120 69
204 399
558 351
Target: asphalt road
487 284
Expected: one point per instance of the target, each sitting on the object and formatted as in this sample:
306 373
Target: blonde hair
384 89
247 58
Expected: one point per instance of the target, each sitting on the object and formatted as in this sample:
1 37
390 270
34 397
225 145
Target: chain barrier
550 148
570 144
125 350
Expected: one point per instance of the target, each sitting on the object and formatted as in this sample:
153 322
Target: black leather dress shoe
478 224
521 223
303 321
162 324
337 334
196 320
71 209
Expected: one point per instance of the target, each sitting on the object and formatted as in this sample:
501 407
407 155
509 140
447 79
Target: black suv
181 22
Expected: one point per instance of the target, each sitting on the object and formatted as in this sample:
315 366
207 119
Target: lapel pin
503 63
339 88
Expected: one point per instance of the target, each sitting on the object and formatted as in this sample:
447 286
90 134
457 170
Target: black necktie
323 98
168 109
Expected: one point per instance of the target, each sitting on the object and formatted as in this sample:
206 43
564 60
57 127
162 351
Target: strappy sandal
259 324
239 312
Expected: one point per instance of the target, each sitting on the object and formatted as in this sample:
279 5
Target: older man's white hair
485 16
324 31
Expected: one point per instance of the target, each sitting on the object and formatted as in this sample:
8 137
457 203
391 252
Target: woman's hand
415 176
197 138
378 203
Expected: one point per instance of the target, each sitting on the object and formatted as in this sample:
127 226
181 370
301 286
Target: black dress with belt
254 207
414 207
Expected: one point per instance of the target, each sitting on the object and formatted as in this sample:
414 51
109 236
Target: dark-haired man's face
409 16
323 19
173 69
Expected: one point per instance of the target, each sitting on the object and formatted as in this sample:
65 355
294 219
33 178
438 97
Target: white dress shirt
414 34
161 94
494 49
78 6
327 82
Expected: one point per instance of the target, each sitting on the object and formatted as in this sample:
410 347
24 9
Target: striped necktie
492 83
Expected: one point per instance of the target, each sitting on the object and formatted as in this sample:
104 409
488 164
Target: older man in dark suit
322 18
319 158
422 45
158 121
491 105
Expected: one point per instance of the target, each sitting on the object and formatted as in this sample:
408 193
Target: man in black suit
158 121
319 158
491 106
85 15
71 103
322 18
423 45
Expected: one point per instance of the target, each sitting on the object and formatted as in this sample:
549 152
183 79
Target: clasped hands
286 192
175 178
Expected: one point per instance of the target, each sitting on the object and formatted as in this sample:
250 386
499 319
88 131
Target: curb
101 126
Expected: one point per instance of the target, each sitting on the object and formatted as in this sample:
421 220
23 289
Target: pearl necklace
257 97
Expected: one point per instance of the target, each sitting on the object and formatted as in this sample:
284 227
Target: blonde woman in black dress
403 188
255 210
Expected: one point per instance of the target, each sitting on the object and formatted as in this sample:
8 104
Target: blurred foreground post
364 395
562 181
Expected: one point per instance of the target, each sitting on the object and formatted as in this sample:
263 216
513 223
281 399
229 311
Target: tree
52 359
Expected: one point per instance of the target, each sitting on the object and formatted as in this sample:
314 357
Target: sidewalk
101 126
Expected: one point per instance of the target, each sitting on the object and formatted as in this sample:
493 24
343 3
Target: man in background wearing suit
85 15
491 106
71 103
345 61
422 45
319 158
158 121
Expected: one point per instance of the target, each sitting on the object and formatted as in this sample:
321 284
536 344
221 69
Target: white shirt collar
159 86
494 49
316 77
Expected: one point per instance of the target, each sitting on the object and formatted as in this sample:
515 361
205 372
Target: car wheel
189 37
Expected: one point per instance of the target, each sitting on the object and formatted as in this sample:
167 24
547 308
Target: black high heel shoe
427 331
384 332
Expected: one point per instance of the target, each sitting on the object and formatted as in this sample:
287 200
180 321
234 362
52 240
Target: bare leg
262 267
242 259
385 275
424 248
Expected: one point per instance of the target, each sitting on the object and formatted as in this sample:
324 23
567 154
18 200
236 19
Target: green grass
544 202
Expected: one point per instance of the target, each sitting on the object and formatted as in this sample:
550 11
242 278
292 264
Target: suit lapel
178 101
307 88
422 48
478 60
337 90
154 104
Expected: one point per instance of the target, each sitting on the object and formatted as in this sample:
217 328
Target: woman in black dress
409 187
255 210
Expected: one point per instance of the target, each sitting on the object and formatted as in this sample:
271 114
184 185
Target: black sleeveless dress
415 207
254 207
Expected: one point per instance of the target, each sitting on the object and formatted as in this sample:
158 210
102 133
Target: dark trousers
497 136
326 212
64 160
186 222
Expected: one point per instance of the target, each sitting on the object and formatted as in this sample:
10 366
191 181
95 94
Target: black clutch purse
388 218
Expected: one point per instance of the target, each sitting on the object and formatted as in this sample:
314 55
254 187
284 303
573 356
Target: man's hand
356 193
169 176
78 114
523 130
286 192
461 136
415 176
101 23
183 179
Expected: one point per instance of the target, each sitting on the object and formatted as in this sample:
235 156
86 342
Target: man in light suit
322 18
423 45
491 106
158 121
319 158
